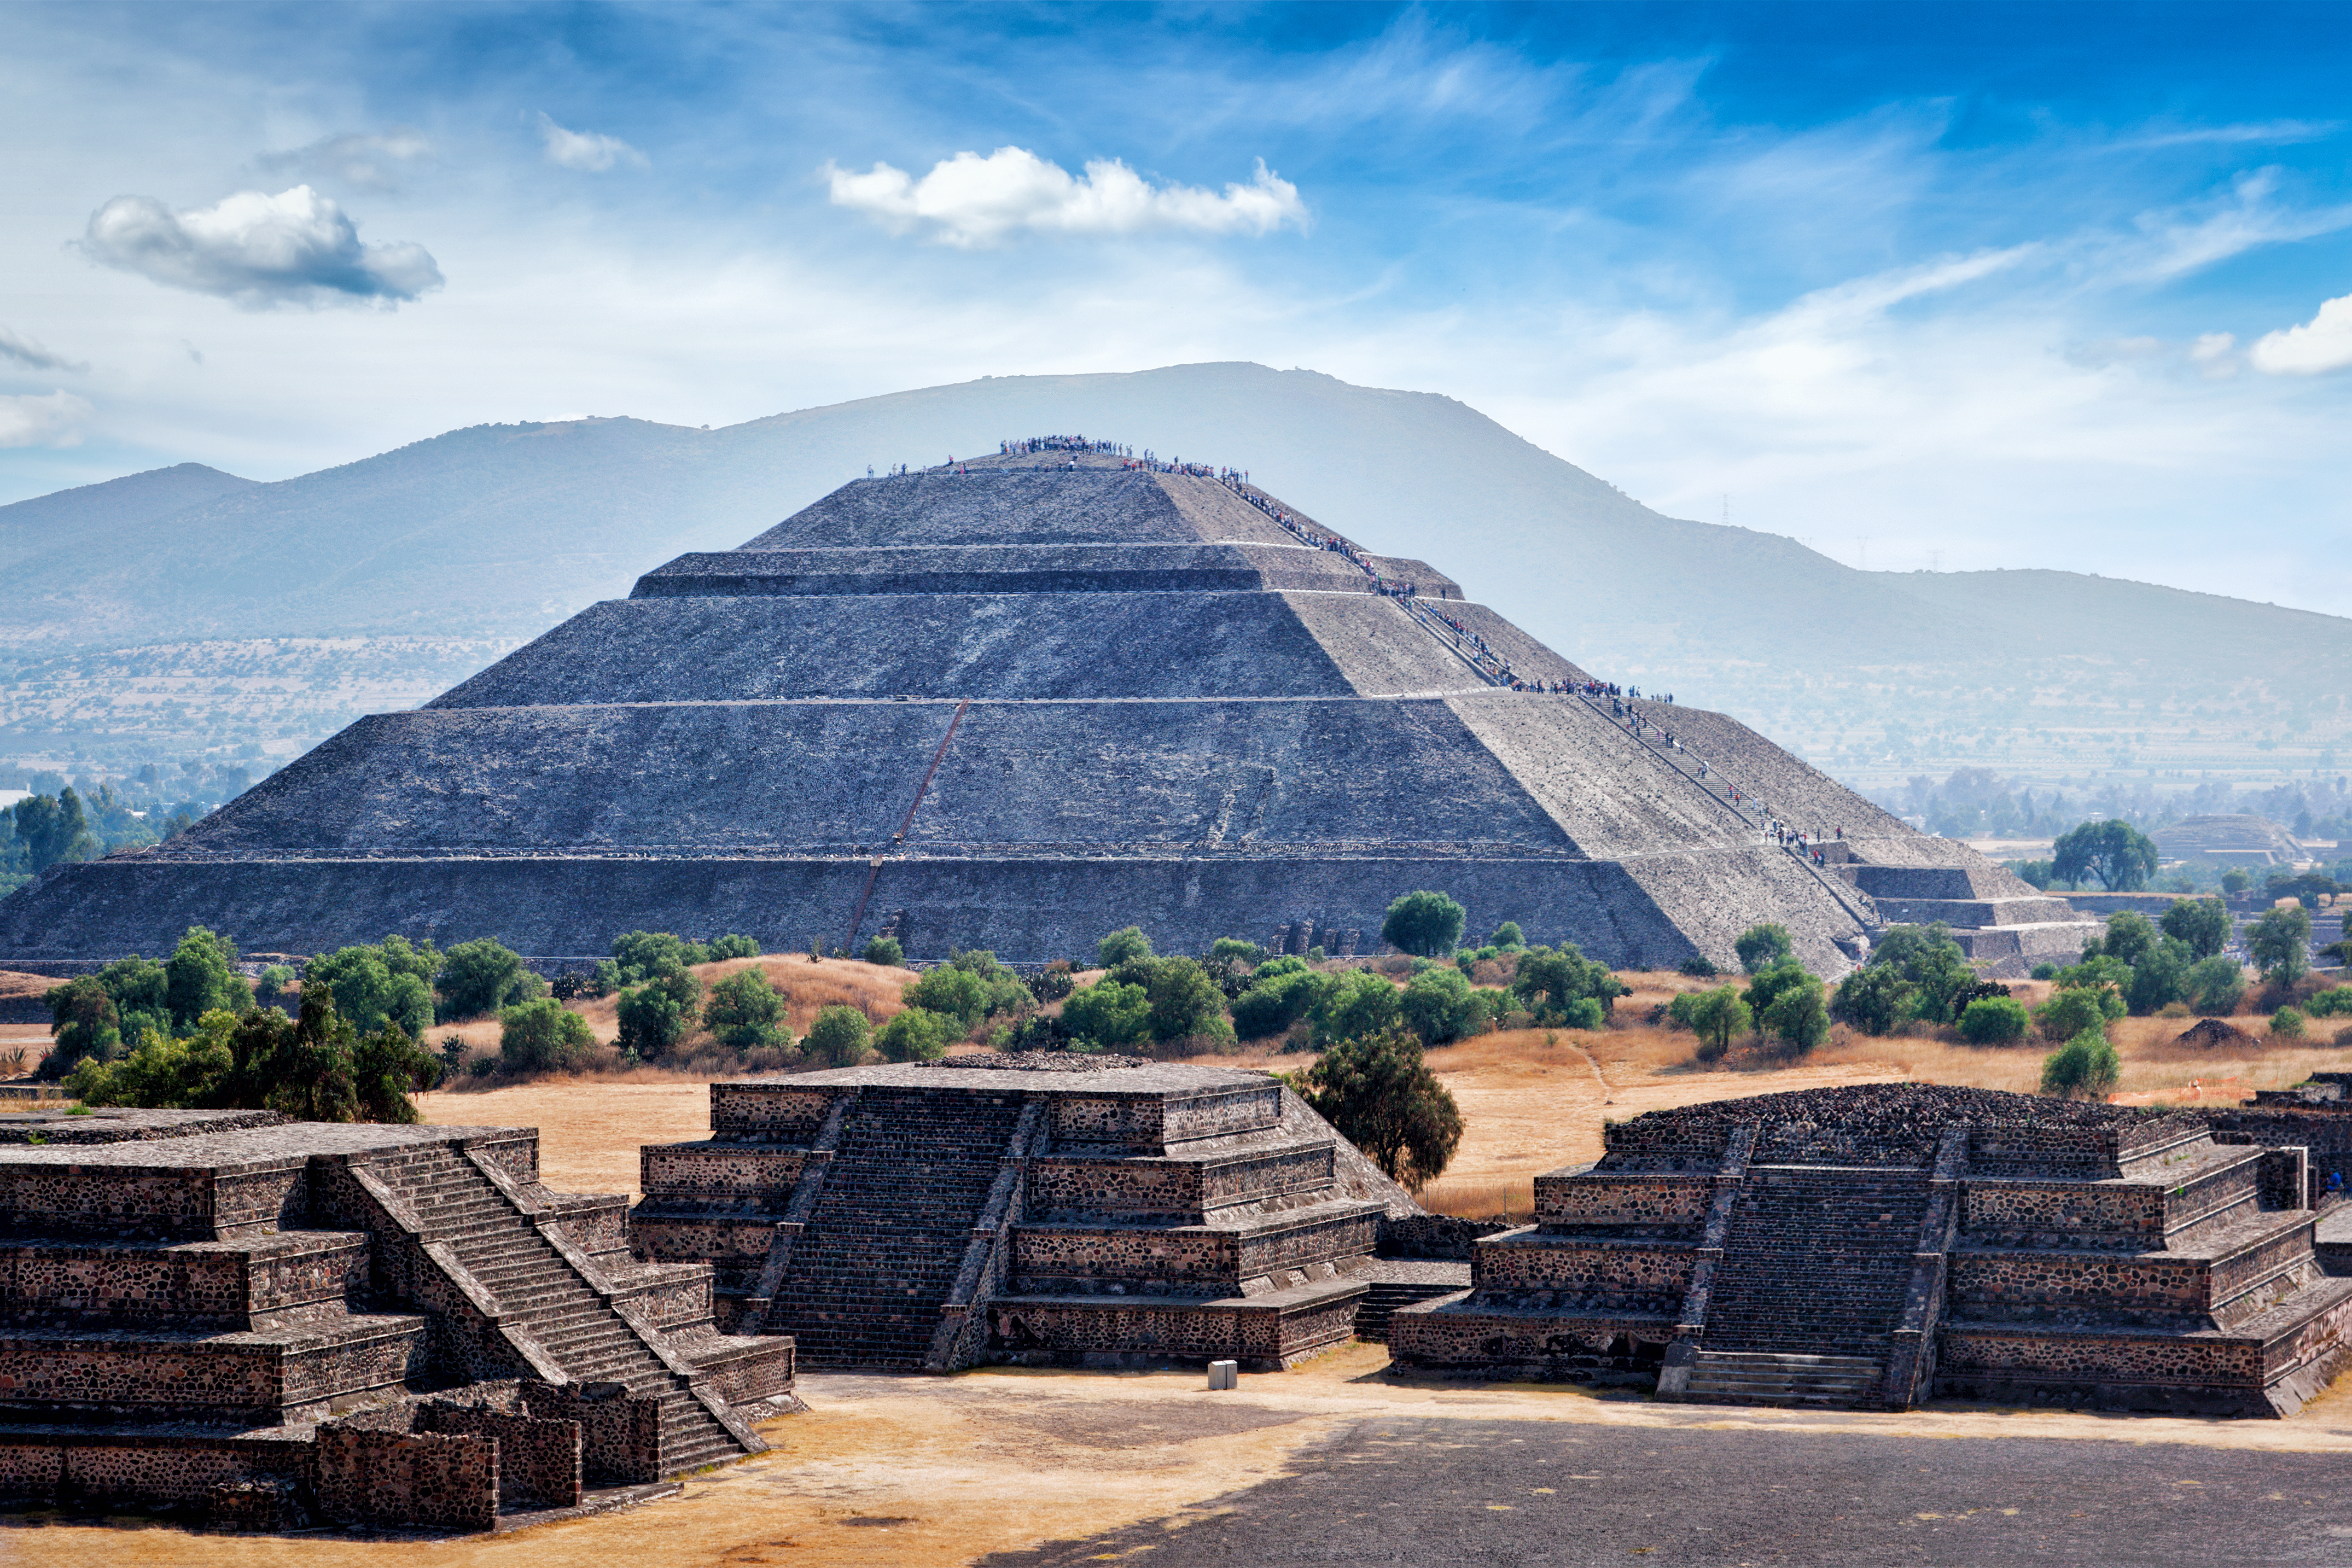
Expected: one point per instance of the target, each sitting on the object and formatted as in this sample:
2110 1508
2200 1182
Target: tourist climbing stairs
909 1180
541 1294
1816 1268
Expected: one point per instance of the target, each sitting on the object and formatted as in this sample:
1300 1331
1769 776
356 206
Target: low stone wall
99 1282
538 1460
1153 1119
150 1469
120 1371
407 1478
1554 1346
1633 1276
756 1110
1110 1332
619 1434
1439 1237
1150 1260
1173 1187
160 1203
1633 1199
736 1170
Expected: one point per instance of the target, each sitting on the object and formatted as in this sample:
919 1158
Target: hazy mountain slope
89 515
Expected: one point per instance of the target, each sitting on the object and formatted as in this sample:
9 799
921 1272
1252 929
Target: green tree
1932 963
746 1011
734 946
916 1034
1379 1095
1128 942
2214 987
274 986
1426 923
1234 950
1358 1005
2236 880
482 976
1761 946
160 1073
639 956
373 986
1765 986
2279 945
1549 981
2129 937
1994 1020
387 1067
1874 998
2160 976
1507 937
1277 999
202 976
1718 1017
2085 1068
2287 1023
655 1015
1440 1007
1797 1015
885 951
1108 1015
52 830
542 1035
2114 852
951 993
142 992
838 1035
83 1024
2070 1010
2202 923
1185 1002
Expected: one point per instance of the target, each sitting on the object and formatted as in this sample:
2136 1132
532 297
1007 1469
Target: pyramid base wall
1263 1333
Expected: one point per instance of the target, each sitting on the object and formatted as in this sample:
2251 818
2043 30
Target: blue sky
1980 285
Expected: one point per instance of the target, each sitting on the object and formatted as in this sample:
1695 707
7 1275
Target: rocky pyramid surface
1014 702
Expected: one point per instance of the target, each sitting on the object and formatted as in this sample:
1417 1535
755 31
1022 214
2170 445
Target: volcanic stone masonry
1870 1245
1051 1208
252 1321
1014 705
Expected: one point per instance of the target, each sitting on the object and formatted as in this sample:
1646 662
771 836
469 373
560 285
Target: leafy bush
1185 1002
838 1035
746 1011
390 983
736 946
2203 923
1355 1005
1874 998
1053 982
885 951
2085 1068
140 989
1764 988
1038 1031
2287 1023
1380 1096
1277 999
1699 966
1549 979
2279 945
1994 1020
1797 1015
916 1034
1108 1015
2074 1008
1761 946
277 980
542 1035
957 994
1718 1017
83 1024
655 1015
1507 937
1440 1007
2214 987
639 956
2044 971
1427 923
483 976
1928 959
201 977
2329 1003
1233 949
1128 942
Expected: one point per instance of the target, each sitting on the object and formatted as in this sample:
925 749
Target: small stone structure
1872 1244
1049 1209
252 1319
2316 1115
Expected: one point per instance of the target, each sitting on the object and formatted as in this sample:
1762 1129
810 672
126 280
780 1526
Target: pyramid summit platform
1016 702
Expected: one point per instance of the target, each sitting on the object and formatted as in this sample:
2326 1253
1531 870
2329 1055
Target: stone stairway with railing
1811 1287
907 1181
540 1293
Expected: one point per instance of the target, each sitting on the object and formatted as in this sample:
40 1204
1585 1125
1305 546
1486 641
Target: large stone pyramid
1016 703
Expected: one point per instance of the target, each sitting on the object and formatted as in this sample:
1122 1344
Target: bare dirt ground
929 1472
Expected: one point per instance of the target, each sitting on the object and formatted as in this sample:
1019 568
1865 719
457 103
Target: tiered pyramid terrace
1012 705
190 1300
1048 1210
1871 1245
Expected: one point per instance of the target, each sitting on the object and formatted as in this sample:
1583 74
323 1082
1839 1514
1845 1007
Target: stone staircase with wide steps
909 1180
548 1299
1763 1377
1817 1261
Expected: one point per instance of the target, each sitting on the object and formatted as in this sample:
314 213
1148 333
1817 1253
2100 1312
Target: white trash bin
1225 1375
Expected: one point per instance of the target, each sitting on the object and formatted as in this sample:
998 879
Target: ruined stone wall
407 1478
538 1460
619 1434
191 1285
1173 1187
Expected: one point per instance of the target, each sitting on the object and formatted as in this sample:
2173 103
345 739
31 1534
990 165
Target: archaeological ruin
254 1324
1049 1209
1013 704
1876 1244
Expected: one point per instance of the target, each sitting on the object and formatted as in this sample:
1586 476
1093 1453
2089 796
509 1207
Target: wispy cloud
2274 133
970 201
56 420
2322 344
296 247
370 161
586 149
28 352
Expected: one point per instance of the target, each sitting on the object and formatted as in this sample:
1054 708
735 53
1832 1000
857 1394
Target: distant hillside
493 533
48 525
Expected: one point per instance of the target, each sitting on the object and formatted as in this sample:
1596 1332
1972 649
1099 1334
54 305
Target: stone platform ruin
1051 1210
1019 703
1874 1244
250 1321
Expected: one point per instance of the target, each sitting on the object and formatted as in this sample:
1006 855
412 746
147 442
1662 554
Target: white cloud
373 161
2321 344
970 201
585 149
29 351
52 421
295 247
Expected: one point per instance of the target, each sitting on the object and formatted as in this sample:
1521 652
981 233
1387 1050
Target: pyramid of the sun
1015 704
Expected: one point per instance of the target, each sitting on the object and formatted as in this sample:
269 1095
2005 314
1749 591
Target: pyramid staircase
543 1294
907 1183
